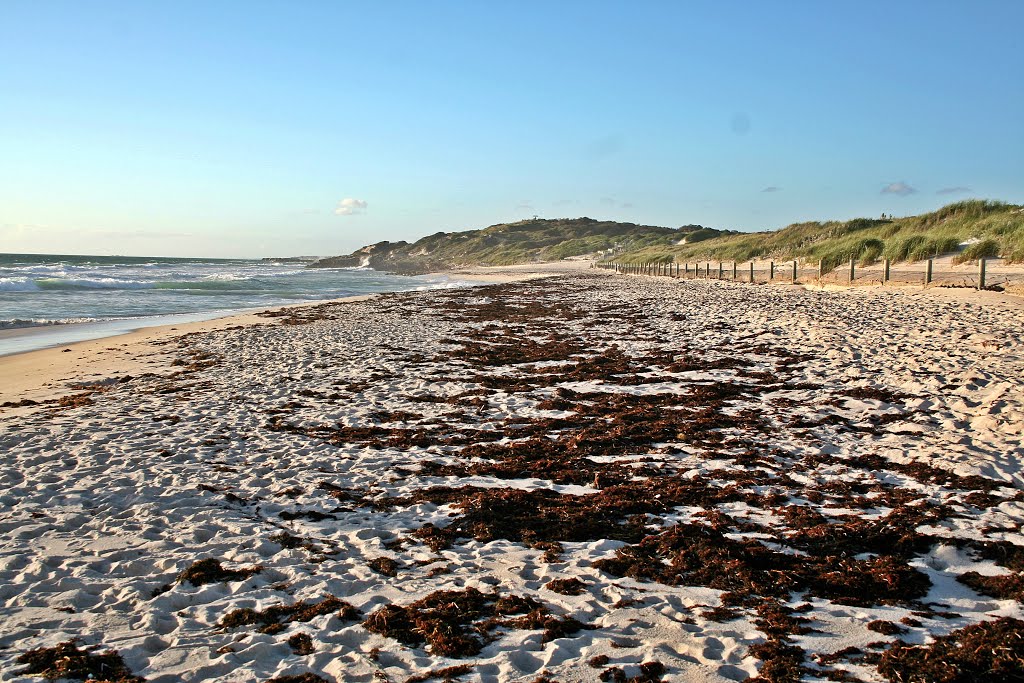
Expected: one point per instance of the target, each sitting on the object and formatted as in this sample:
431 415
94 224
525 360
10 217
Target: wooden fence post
981 273
720 270
885 271
928 272
794 271
821 264
751 272
852 275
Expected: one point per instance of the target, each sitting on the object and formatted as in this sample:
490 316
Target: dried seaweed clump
384 565
307 677
68 661
274 619
571 586
698 555
886 628
1004 586
989 652
211 571
301 644
458 623
781 662
446 675
650 672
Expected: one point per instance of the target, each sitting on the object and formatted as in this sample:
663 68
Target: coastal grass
971 229
526 241
976 227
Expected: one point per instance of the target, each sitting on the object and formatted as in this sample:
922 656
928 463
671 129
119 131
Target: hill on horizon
970 229
526 241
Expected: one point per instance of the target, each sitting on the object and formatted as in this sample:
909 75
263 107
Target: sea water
70 298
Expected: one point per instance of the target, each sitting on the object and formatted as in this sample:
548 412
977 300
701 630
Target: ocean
46 300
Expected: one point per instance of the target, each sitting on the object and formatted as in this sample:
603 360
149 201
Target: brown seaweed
67 660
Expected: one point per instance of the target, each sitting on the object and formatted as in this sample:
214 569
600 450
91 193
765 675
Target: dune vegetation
970 229
527 241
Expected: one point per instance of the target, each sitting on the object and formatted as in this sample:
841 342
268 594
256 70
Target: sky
249 129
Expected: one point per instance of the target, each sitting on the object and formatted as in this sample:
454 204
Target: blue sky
239 128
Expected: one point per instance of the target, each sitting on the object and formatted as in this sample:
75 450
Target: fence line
798 273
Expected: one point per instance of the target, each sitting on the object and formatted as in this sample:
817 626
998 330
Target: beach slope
571 477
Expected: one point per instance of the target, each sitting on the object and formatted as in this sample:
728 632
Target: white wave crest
93 283
18 284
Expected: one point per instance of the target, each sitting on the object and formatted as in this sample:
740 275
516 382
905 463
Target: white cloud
900 188
953 190
614 203
350 207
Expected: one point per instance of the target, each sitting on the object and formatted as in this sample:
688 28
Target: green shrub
870 251
969 208
919 247
701 235
900 248
987 248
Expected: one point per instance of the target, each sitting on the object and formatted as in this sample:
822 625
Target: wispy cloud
611 202
140 234
953 190
771 188
525 205
350 207
604 147
13 230
740 123
900 188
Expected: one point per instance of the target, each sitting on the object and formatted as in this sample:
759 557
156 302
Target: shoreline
45 374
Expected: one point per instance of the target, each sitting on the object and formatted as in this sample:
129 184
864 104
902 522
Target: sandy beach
561 476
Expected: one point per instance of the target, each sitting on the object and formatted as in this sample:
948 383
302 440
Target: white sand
101 504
